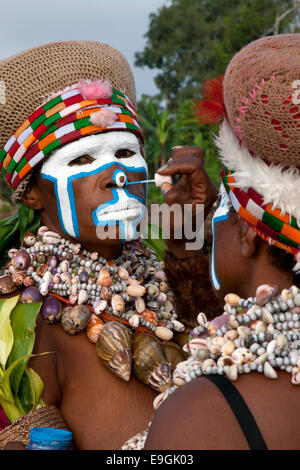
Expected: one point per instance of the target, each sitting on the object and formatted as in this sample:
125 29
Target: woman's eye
82 160
124 153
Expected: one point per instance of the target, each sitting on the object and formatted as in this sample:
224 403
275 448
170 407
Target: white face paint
124 209
221 213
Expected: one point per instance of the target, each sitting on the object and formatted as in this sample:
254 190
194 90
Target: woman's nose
117 180
120 178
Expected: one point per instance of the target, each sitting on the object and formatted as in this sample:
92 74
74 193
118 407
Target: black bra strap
241 411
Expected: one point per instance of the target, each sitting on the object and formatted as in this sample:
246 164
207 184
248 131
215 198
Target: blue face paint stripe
98 170
54 181
73 208
214 277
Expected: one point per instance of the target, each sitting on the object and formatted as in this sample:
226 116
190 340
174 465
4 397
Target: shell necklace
110 299
256 334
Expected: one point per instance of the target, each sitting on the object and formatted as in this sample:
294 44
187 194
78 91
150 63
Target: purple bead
83 277
53 270
51 286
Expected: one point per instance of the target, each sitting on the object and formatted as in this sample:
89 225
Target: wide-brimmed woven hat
46 105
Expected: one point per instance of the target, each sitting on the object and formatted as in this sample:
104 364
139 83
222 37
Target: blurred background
173 47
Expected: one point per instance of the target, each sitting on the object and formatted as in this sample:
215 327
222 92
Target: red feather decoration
211 108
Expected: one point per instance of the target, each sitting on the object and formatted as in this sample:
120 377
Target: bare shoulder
196 416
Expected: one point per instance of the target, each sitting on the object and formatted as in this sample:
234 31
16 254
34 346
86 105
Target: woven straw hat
36 73
259 89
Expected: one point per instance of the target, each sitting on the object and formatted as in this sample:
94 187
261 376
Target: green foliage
192 40
13 229
155 241
20 387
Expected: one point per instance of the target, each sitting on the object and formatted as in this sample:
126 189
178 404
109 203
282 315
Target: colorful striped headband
270 224
84 109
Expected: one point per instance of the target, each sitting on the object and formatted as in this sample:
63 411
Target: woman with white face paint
69 150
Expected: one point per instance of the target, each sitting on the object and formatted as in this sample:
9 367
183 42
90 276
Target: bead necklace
256 334
132 287
109 299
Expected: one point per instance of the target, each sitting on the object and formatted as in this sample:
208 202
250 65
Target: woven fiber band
61 120
270 224
47 416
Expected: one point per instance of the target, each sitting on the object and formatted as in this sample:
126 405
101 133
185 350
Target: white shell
281 341
232 322
73 289
269 372
296 379
161 398
231 335
178 326
232 372
134 321
261 359
135 290
64 265
82 296
100 307
164 333
271 346
47 277
66 277
232 299
260 327
242 355
243 331
201 319
266 316
43 288
207 363
51 237
123 273
140 305
228 348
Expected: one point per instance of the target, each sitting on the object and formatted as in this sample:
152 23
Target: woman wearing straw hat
70 143
239 389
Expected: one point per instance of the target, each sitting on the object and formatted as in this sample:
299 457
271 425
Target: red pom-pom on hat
210 109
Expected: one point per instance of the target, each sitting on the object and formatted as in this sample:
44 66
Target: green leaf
26 216
7 400
31 389
6 332
23 319
11 410
155 241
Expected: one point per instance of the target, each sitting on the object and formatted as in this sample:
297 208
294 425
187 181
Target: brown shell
114 349
174 353
75 319
94 328
150 363
6 284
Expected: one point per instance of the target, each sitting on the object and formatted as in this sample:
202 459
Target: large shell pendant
150 363
114 349
173 353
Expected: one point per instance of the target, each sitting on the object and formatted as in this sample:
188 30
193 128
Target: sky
119 23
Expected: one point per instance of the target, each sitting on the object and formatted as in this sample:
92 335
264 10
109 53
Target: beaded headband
270 224
85 109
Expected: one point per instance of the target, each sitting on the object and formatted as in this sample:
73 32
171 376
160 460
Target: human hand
194 188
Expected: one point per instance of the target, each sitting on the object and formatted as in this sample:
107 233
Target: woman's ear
31 198
248 239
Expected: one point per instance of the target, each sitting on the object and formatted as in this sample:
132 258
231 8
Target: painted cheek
221 214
